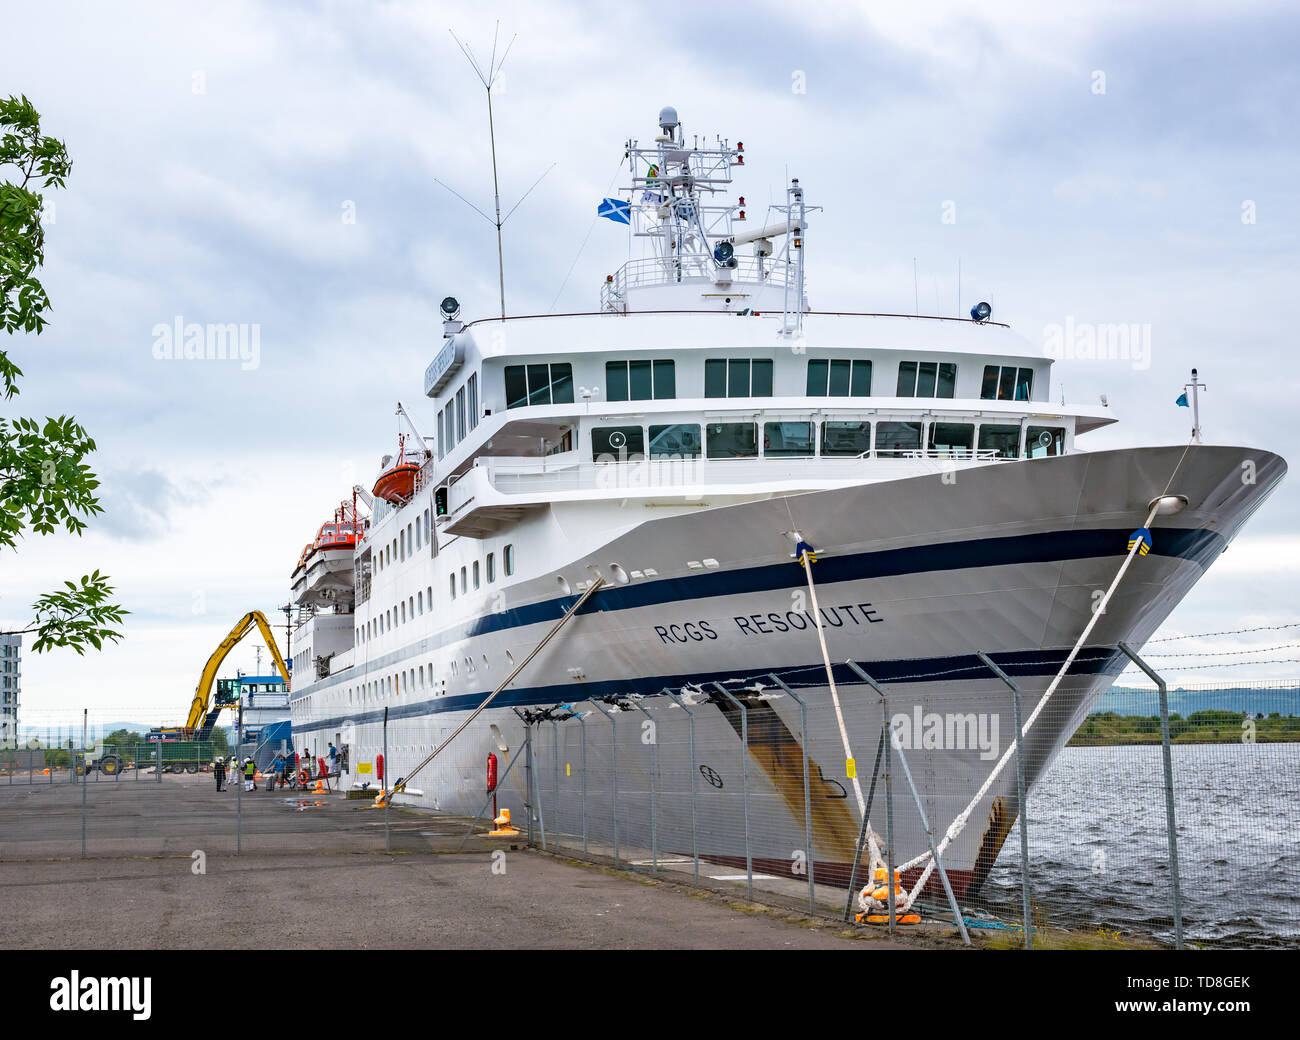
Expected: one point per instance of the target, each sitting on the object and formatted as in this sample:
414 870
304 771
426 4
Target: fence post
807 794
239 791
690 713
1171 828
654 789
744 779
891 877
555 739
83 802
929 836
582 736
388 840
1021 795
613 767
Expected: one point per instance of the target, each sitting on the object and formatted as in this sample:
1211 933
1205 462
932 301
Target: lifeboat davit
397 483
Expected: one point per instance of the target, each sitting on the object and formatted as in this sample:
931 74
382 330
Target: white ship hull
915 577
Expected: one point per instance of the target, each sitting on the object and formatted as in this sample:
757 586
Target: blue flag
1182 401
616 210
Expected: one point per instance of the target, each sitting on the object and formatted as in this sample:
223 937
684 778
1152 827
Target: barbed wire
1230 664
1225 632
1231 653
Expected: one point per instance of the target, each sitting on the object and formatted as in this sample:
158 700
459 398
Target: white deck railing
534 476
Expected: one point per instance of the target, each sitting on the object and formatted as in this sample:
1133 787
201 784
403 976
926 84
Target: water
1098 856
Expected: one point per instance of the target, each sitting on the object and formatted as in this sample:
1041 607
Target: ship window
452 582
476 574
403 614
472 389
509 554
617 443
419 603
846 438
491 567
442 443
679 440
732 440
460 414
954 439
787 439
1044 441
737 377
1007 383
840 377
1005 440
926 379
539 384
464 585
640 380
897 438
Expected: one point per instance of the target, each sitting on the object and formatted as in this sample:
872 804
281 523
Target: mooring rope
808 558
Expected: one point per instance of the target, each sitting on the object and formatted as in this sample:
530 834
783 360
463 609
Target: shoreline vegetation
1108 728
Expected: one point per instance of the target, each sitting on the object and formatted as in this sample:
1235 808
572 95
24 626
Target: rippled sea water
1099 858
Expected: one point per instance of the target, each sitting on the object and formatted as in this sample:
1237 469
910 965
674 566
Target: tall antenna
488 76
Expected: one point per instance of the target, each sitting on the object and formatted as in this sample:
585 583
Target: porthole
563 582
619 574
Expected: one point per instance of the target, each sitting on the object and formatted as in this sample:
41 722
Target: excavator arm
203 692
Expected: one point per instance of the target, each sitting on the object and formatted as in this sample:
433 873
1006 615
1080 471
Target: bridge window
617 443
788 439
954 439
1044 441
509 554
737 377
839 377
539 384
1005 440
732 440
491 567
846 438
926 379
1006 383
895 439
640 380
471 388
678 440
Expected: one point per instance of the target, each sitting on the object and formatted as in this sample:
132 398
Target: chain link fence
757 788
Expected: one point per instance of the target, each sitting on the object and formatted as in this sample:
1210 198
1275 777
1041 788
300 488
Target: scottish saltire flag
1142 539
616 210
1182 401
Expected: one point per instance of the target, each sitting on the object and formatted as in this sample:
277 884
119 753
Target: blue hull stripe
1196 545
1092 660
1200 546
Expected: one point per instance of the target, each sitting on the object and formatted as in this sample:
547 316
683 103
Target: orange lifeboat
397 483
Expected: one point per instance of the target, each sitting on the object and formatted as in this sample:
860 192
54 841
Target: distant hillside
1122 701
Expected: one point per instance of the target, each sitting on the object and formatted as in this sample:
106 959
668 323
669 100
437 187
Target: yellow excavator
202 719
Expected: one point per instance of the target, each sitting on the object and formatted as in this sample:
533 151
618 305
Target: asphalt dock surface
161 872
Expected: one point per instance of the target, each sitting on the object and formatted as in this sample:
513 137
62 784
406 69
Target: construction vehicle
203 714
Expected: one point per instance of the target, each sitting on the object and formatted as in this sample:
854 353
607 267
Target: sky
277 165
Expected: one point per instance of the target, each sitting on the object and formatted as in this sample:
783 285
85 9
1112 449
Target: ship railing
522 476
652 271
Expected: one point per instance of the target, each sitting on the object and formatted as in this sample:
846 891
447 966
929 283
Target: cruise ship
707 496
